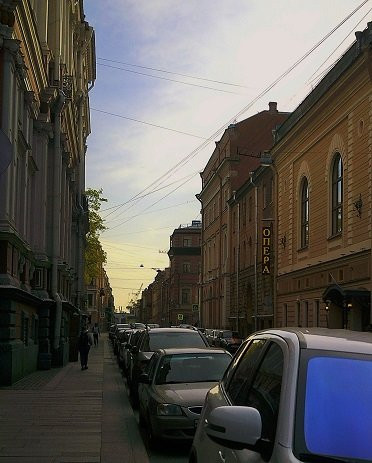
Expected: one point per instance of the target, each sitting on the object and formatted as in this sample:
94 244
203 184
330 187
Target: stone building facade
184 269
252 263
235 156
323 161
47 66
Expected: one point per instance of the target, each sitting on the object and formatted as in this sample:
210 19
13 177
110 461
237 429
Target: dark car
173 389
229 340
154 339
131 347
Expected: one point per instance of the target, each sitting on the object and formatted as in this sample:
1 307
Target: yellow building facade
323 164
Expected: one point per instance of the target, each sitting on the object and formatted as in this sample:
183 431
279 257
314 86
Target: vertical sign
266 247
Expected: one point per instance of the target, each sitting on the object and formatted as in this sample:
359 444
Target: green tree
95 256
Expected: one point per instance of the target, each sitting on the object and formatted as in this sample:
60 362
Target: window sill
335 236
303 248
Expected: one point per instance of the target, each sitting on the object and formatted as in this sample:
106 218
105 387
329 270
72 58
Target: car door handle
222 457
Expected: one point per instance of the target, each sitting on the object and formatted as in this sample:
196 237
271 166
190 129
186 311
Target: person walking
84 344
96 333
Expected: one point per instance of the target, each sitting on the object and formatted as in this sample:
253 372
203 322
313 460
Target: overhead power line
174 73
219 131
147 123
170 80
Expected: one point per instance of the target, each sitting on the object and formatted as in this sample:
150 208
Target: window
259 386
185 296
186 267
242 373
187 242
304 213
337 195
264 393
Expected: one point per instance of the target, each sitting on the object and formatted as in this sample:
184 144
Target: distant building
184 269
100 301
47 66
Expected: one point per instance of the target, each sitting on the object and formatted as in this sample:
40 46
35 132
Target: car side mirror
144 378
235 427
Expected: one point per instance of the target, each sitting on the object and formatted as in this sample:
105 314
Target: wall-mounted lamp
327 304
283 241
358 204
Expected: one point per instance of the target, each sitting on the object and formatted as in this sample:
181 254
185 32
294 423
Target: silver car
172 391
290 396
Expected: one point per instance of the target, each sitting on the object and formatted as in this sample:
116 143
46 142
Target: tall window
337 195
185 296
304 213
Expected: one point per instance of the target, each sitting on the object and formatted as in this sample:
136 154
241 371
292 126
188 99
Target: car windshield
335 406
174 339
191 368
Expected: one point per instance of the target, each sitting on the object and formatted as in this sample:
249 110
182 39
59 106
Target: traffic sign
180 316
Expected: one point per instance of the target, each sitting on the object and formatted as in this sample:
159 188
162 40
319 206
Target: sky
171 75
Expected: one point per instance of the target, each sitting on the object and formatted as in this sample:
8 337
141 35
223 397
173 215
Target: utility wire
162 209
143 196
191 155
174 73
170 80
153 204
147 123
154 191
312 78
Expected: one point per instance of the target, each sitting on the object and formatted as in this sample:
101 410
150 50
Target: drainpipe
255 255
57 199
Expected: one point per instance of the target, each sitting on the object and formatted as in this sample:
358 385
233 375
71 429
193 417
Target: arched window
337 195
304 213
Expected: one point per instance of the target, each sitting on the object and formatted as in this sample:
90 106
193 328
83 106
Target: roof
364 40
172 330
192 350
327 339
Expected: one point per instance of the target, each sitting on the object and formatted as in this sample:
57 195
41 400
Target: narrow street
66 415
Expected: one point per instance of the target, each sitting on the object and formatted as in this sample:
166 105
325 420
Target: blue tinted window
338 407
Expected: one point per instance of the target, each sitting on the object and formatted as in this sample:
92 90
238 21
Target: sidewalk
67 415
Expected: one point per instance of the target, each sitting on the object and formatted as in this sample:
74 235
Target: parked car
131 349
121 341
117 339
111 331
118 326
173 389
229 340
158 338
124 352
209 335
291 395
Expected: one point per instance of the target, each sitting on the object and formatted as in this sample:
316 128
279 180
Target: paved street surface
67 415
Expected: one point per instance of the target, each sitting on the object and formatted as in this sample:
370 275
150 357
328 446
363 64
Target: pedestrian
84 344
96 333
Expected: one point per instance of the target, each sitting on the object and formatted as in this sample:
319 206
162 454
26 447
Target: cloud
237 41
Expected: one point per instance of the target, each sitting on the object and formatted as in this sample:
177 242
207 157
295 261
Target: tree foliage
95 256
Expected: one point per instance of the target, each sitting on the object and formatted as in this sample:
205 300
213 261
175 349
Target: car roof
326 339
193 350
172 330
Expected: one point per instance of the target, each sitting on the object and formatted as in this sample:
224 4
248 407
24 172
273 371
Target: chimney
273 107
